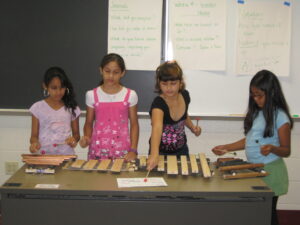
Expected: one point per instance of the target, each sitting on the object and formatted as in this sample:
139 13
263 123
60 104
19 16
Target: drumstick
197 119
61 143
57 144
229 152
145 180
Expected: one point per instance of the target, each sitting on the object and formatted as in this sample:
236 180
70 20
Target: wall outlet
11 167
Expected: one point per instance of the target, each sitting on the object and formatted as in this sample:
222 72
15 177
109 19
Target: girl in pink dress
55 119
110 109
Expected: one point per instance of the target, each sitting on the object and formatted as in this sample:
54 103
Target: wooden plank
90 164
241 167
204 165
67 164
78 163
117 166
50 162
184 165
143 161
161 163
64 157
104 164
172 167
194 165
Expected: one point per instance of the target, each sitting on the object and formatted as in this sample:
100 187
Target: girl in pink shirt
55 119
110 107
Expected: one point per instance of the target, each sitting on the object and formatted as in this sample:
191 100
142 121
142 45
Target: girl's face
259 96
170 88
111 73
55 89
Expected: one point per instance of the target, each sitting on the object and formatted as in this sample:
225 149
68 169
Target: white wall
15 133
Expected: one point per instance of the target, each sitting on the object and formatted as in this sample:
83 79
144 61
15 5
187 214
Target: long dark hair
69 97
169 71
112 57
267 82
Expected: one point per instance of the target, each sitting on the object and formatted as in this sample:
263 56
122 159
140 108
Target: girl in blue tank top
267 129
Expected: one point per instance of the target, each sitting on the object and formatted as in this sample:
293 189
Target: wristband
133 150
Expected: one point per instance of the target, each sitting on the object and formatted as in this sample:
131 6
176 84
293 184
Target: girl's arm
284 150
222 149
195 129
157 128
72 141
34 139
134 133
88 127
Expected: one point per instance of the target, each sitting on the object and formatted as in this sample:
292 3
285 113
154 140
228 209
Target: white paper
140 182
134 32
197 34
263 38
47 186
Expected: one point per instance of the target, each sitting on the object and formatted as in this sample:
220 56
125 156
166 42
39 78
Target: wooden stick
145 179
241 167
197 119
232 153
245 175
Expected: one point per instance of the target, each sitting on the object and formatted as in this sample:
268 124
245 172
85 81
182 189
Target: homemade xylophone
234 168
44 163
185 165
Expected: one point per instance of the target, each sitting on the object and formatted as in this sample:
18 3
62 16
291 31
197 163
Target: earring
68 91
46 93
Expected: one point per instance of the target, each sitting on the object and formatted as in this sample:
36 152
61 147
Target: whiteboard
134 31
225 93
263 38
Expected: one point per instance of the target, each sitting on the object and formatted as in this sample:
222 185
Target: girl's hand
71 141
220 150
130 156
266 149
196 130
152 161
84 141
35 147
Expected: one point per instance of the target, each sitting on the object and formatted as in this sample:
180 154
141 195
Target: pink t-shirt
54 128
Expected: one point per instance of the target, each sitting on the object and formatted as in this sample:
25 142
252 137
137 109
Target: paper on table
47 186
139 182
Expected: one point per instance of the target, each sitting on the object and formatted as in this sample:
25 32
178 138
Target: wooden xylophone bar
234 168
172 165
48 160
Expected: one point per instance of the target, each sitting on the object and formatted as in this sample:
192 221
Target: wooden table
94 198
